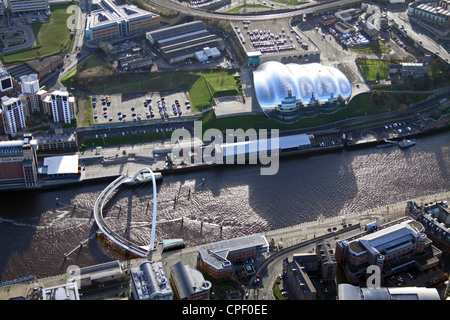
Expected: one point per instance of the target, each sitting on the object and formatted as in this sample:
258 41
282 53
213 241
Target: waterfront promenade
289 236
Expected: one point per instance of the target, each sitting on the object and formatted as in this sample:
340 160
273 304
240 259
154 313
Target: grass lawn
375 47
374 69
246 8
52 37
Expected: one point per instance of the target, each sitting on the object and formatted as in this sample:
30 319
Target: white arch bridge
141 251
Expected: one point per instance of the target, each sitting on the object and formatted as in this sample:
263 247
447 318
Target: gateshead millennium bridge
142 251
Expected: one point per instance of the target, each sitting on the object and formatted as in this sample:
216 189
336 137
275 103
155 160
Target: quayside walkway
142 251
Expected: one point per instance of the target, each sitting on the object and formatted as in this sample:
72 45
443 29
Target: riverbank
289 237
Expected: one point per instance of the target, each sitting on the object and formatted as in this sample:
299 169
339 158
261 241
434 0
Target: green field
374 69
52 38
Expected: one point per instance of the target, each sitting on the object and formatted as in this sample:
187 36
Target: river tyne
36 232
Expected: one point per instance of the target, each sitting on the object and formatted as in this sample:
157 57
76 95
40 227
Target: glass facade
288 92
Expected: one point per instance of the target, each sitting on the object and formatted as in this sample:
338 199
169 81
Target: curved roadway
174 6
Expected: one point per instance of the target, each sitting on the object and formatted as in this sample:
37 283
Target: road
175 6
418 33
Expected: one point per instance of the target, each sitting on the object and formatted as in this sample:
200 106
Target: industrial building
18 162
111 22
274 40
181 42
149 282
216 258
349 292
188 283
393 247
287 92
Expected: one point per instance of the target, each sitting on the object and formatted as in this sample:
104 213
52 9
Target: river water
36 232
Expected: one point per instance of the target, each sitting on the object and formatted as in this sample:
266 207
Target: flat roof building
181 42
216 258
349 292
393 247
18 6
112 22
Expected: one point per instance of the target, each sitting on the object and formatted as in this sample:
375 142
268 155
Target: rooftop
61 165
215 254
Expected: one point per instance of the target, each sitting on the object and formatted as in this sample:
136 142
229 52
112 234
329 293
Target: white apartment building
12 115
62 105
30 88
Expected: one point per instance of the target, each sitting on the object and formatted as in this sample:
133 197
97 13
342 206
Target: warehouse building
181 42
112 22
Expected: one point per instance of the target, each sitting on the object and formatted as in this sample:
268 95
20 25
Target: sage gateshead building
111 22
288 92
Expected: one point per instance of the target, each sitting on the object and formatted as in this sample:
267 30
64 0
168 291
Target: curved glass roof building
287 92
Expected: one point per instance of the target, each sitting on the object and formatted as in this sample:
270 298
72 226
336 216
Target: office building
216 258
149 282
13 115
19 6
393 247
111 22
188 283
61 104
349 292
18 162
